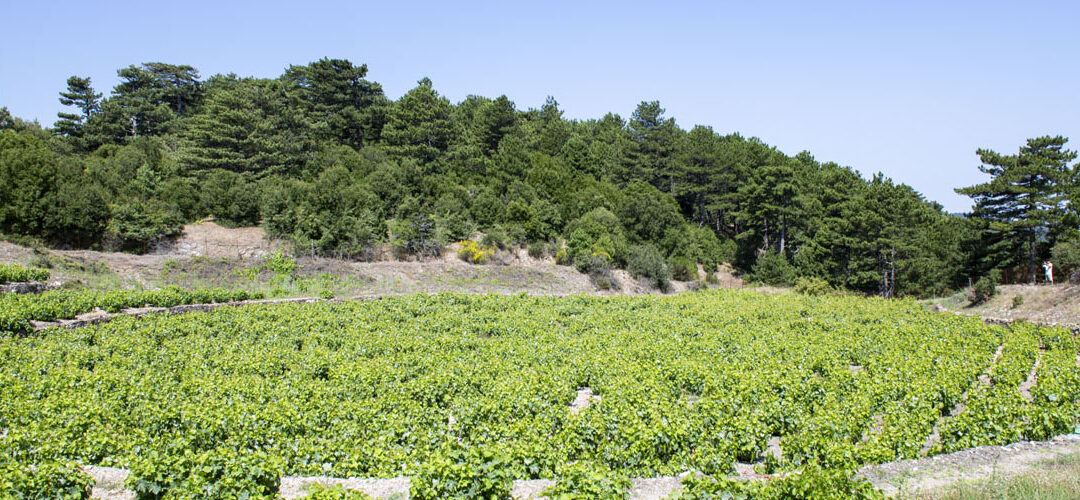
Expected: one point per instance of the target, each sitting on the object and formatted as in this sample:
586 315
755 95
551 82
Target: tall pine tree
1024 201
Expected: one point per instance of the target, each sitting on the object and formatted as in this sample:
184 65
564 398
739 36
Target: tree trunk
1032 264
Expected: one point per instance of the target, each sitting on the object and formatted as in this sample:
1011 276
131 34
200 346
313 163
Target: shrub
562 258
645 262
137 226
683 269
280 264
773 269
1018 300
598 232
698 285
459 473
813 286
495 238
984 289
537 250
710 277
473 253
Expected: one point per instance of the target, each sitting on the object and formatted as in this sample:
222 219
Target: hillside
1057 304
210 255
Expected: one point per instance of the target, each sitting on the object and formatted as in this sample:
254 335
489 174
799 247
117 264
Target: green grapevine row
10 273
18 310
463 393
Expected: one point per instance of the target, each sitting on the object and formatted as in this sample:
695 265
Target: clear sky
908 88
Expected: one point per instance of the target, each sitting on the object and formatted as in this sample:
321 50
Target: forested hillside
321 157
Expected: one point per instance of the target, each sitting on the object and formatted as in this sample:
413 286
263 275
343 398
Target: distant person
1048 267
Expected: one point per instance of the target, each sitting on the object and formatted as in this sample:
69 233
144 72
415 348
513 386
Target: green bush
55 480
985 288
710 277
683 269
537 250
645 262
496 237
137 226
1018 300
813 286
562 258
457 472
774 269
280 264
597 233
10 273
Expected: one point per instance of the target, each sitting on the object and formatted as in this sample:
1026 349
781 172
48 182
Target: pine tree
81 95
1024 202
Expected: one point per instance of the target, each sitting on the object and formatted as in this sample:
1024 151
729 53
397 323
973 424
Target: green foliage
14 273
683 269
984 288
1017 301
17 310
473 252
812 483
279 263
774 269
583 480
597 234
462 393
221 472
55 480
458 472
645 262
138 226
335 492
813 286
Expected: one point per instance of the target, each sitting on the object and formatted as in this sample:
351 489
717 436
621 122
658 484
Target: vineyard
464 394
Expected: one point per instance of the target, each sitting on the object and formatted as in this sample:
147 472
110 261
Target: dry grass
1056 479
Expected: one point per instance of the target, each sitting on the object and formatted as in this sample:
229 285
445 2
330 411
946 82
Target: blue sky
908 88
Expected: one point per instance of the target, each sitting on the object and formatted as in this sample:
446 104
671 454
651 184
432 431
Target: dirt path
986 462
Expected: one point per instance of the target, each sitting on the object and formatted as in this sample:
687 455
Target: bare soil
925 475
1045 304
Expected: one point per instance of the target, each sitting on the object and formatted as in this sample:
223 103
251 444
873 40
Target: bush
683 269
537 250
984 289
137 226
710 277
813 286
457 472
1018 300
645 262
562 258
496 237
596 233
280 264
473 253
773 269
